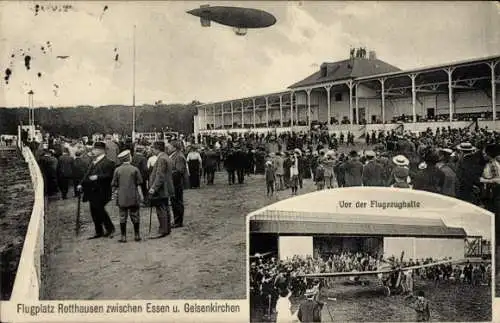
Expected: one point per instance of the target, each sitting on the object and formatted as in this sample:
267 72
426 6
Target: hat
466 146
353 153
401 172
422 165
124 155
401 160
99 145
297 151
446 150
370 153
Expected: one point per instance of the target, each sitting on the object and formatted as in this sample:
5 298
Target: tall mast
133 94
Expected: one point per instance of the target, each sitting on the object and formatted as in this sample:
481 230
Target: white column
349 84
232 115
281 111
254 108
309 116
242 115
493 90
449 71
267 112
213 116
205 119
291 109
382 82
413 97
357 104
222 115
327 88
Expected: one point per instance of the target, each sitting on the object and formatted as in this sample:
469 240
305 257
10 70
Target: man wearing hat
161 187
112 149
372 171
400 175
127 181
140 161
97 190
179 175
310 308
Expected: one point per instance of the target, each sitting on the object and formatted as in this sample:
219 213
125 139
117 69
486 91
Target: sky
178 61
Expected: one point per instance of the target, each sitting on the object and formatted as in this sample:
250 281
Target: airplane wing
381 271
260 255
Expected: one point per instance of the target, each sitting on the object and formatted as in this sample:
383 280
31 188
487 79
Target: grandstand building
364 93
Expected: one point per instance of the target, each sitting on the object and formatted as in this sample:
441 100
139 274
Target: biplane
389 275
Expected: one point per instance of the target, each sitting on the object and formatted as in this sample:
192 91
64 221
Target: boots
123 230
136 230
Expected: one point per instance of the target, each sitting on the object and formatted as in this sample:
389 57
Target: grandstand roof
433 210
347 69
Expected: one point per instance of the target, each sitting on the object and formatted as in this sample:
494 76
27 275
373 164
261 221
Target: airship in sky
241 19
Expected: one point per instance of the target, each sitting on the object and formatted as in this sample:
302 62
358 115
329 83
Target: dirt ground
16 202
203 260
448 301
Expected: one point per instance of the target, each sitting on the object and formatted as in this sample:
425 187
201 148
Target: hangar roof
433 209
347 224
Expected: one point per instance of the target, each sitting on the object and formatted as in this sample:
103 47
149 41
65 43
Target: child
420 305
127 182
270 177
319 177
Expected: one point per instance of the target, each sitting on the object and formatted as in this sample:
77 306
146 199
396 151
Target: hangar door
291 246
421 248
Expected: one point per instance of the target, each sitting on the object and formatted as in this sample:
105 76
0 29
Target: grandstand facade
364 93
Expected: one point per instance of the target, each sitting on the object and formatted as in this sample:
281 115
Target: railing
28 278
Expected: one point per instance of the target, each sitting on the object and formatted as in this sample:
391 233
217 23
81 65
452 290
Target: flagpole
133 95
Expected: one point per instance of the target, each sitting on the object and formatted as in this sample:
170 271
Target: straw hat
466 146
401 160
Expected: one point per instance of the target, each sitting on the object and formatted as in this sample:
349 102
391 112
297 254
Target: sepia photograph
136 137
367 254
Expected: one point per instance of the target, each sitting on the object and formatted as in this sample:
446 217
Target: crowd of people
272 279
105 170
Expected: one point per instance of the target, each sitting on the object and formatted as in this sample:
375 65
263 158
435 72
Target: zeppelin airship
241 19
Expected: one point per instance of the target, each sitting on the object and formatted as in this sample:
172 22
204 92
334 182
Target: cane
150 216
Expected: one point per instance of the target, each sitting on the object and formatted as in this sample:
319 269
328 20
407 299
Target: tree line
75 122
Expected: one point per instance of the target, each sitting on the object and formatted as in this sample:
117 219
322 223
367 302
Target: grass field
203 260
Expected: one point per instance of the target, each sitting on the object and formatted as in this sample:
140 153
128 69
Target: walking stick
77 228
150 216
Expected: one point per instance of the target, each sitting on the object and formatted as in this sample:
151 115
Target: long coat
373 174
160 179
99 191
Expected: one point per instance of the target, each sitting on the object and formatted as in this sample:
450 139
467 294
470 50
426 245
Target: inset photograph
370 254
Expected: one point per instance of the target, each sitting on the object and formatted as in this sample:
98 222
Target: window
338 97
323 71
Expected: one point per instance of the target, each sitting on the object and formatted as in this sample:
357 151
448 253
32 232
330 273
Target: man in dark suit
310 309
179 173
140 161
372 171
80 166
64 172
353 170
210 165
96 186
161 187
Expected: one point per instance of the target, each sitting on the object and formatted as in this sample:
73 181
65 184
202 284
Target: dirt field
203 260
16 202
448 302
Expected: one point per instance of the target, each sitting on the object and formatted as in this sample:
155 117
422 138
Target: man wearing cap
161 187
140 161
372 171
469 169
179 172
127 181
97 190
353 169
450 177
310 309
430 178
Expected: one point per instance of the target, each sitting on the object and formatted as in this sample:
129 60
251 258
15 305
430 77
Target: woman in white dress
284 308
